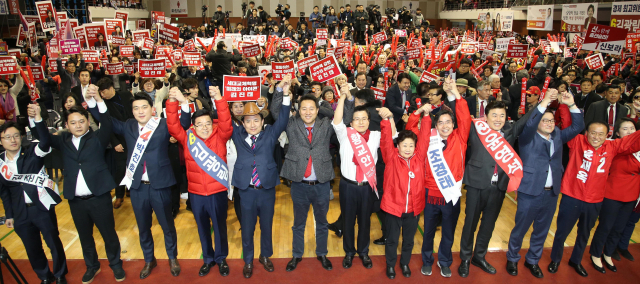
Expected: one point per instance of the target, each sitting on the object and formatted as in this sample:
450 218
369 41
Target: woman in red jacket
403 198
208 196
620 198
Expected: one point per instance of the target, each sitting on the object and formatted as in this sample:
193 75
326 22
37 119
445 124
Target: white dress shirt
312 176
13 165
347 167
82 189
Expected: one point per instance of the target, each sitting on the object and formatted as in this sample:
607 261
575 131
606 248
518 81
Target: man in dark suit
397 97
221 62
119 104
486 186
68 74
149 178
308 165
255 175
541 152
88 183
478 103
80 90
609 109
29 208
509 76
586 96
361 69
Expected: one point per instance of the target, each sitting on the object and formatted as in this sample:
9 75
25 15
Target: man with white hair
497 90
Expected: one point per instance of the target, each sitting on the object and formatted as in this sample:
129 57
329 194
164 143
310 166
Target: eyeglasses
530 95
207 125
548 121
11 137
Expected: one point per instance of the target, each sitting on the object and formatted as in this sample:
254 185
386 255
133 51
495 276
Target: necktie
254 173
445 144
513 80
307 172
481 114
73 81
611 115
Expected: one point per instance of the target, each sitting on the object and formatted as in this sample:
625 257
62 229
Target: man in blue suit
541 152
255 175
149 178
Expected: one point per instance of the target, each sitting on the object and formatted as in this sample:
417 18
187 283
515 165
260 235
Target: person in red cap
533 95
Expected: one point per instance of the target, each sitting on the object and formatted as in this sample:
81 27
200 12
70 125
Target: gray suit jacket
300 149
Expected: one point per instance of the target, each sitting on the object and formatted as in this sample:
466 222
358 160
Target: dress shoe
381 241
611 267
391 272
174 267
553 267
347 261
326 264
445 271
204 270
119 274
174 213
90 275
598 268
463 270
535 269
335 229
626 254
512 268
484 265
247 271
406 272
61 280
117 203
425 270
293 263
578 267
223 268
49 280
366 261
266 262
128 194
615 255
148 267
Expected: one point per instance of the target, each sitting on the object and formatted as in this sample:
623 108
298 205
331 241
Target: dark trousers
118 169
237 207
356 203
304 195
572 210
623 244
256 203
536 210
211 211
359 37
146 200
96 211
450 214
612 221
486 202
408 223
45 223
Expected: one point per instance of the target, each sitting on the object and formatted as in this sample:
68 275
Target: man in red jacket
583 188
207 194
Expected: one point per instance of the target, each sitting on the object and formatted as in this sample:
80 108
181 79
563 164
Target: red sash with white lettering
502 152
363 155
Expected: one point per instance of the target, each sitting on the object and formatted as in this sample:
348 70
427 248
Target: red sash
523 95
502 152
365 158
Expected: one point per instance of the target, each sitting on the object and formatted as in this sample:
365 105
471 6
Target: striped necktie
254 172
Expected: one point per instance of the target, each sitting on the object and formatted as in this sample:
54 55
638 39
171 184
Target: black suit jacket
585 103
599 111
88 157
120 113
472 102
394 102
12 193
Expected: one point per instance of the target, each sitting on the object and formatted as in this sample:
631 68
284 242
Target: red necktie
307 172
611 115
481 114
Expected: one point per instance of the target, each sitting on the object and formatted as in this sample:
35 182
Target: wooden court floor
189 243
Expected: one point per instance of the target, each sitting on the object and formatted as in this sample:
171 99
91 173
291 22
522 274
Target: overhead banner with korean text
540 17
179 8
626 15
605 39
504 21
577 17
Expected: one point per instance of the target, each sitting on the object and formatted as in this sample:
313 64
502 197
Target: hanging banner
114 28
81 34
540 17
517 51
70 46
96 38
124 16
281 69
8 65
169 33
90 56
605 39
626 15
142 24
485 22
577 17
241 88
325 69
127 50
504 21
595 61
151 68
46 15
178 8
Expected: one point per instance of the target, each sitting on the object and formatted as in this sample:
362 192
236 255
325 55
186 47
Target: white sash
449 187
637 155
141 144
40 181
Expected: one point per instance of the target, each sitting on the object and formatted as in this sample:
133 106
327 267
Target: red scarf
439 105
359 173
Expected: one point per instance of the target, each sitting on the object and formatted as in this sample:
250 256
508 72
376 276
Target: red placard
605 39
281 69
632 40
169 33
305 62
251 50
177 55
189 45
147 43
37 72
70 46
151 68
47 15
415 43
15 52
126 50
413 53
140 35
379 37
81 34
117 40
14 7
380 94
401 33
439 67
142 24
430 57
469 47
325 69
54 66
95 36
517 50
90 56
428 77
191 59
157 17
124 16
112 28
595 61
115 68
241 88
8 65
322 34
130 69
